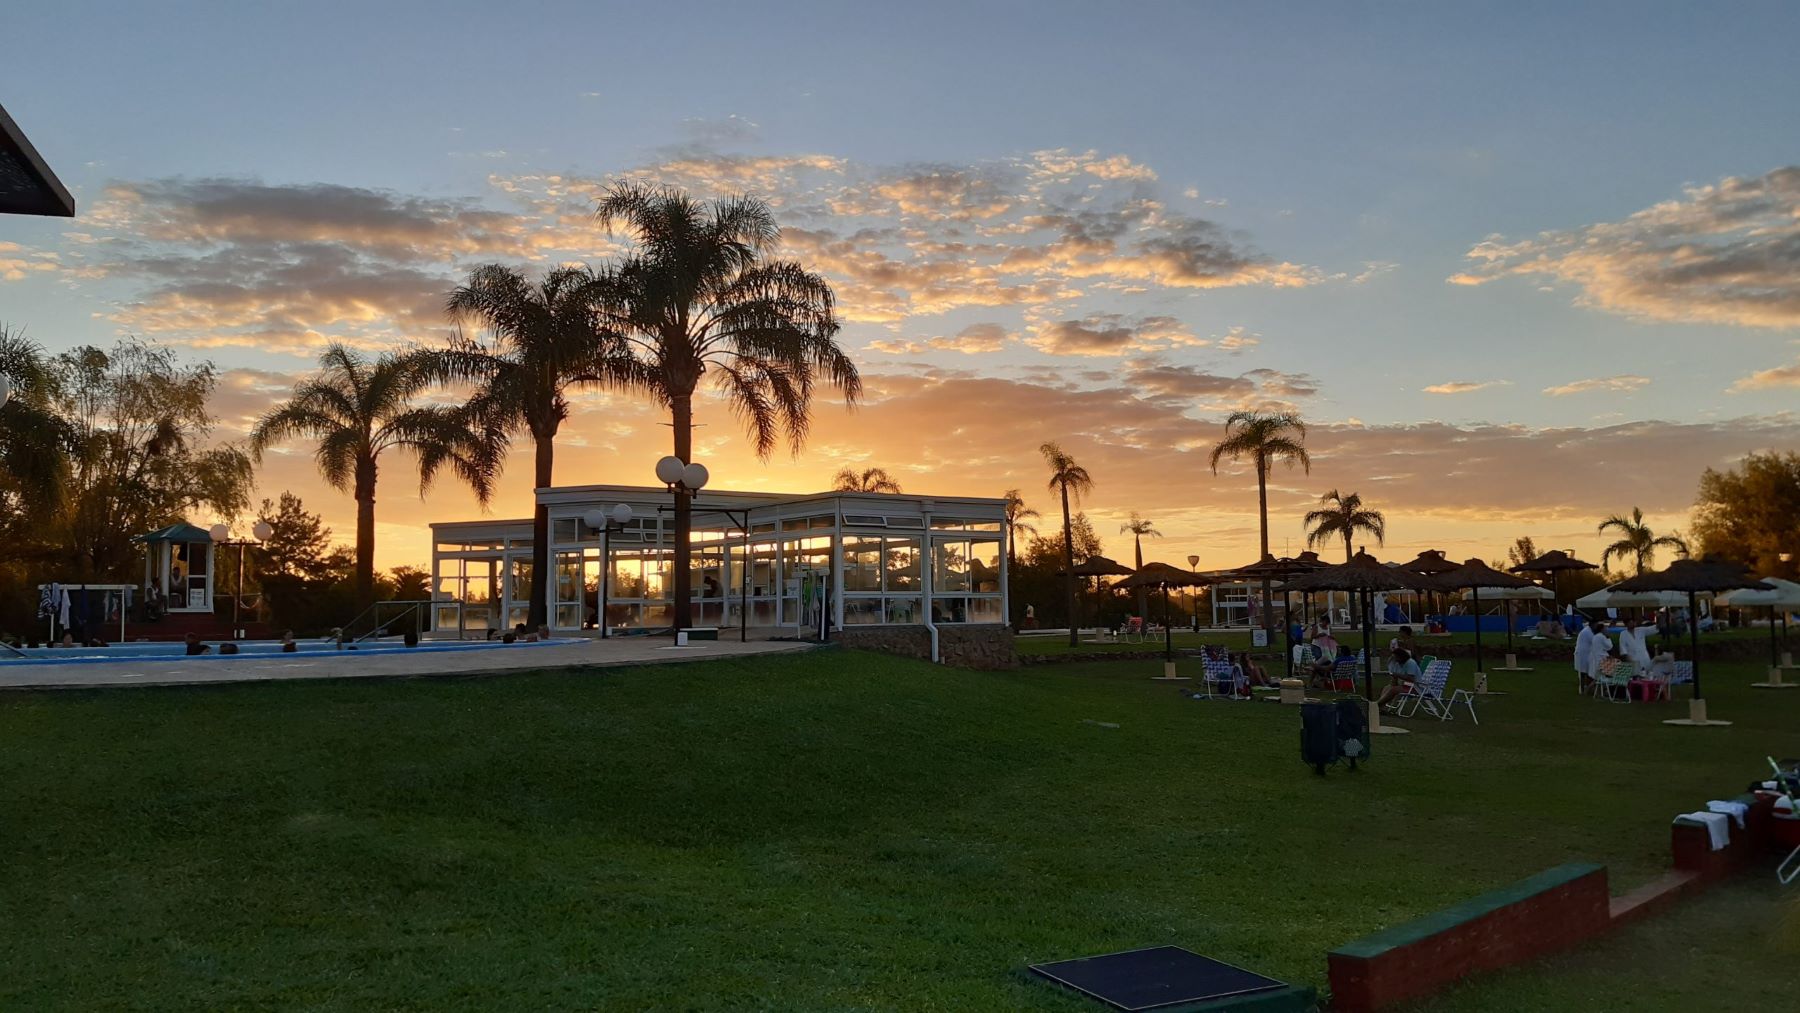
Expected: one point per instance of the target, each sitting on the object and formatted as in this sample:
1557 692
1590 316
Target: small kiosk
178 567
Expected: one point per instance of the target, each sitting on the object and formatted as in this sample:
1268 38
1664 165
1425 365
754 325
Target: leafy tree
1264 438
299 543
1748 513
138 422
1637 542
357 410
698 297
1047 551
1071 481
544 340
866 480
1521 551
35 445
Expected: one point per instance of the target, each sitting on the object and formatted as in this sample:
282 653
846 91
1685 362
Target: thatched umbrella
1363 574
1094 566
1165 576
1695 577
1429 562
1475 575
1553 563
1784 596
1282 570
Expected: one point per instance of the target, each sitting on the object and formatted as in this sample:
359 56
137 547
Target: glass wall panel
862 564
950 567
862 611
900 562
903 610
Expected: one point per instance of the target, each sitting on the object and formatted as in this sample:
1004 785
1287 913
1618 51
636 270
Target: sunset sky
1519 267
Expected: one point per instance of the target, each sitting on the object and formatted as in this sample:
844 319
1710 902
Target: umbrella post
1777 661
1287 626
1168 674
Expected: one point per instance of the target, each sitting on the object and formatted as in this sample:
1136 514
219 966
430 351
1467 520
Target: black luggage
1353 730
1318 735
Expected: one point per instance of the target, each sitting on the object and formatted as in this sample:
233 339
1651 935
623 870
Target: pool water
177 651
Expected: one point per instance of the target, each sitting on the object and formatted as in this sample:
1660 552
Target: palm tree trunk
1069 566
540 534
1143 595
365 533
682 407
1262 510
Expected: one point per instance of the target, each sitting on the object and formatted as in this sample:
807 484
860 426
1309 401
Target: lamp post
684 479
1193 596
221 536
606 522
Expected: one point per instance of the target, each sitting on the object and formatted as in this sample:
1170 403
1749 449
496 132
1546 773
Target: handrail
13 649
416 607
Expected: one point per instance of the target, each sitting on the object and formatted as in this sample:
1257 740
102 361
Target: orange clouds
1621 384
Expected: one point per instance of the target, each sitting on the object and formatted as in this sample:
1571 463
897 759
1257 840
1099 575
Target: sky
1519 266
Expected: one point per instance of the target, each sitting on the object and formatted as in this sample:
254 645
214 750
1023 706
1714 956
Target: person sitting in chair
1403 676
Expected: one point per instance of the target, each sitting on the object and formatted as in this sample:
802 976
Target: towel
1735 810
1717 824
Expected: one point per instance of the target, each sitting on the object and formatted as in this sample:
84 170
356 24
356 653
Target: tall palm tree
1341 515
1264 438
700 296
1018 525
357 410
1139 529
1638 542
866 480
34 439
1072 481
543 341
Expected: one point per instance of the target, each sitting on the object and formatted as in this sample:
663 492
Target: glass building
776 564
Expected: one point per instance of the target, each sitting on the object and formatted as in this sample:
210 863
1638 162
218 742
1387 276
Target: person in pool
194 646
287 643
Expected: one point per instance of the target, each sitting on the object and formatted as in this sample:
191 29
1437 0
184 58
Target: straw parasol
1164 576
1282 570
1364 574
1429 561
1695 577
1097 566
1475 575
1553 563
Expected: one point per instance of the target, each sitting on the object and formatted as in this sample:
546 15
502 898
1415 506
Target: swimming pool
177 651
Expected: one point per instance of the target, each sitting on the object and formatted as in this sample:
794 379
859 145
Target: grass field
826 831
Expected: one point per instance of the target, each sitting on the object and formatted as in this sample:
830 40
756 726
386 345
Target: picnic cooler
1330 732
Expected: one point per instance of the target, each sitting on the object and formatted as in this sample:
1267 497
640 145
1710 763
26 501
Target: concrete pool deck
614 652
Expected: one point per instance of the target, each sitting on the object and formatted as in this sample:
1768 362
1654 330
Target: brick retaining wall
984 647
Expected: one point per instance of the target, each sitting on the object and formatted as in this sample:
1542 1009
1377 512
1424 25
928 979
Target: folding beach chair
1218 679
1428 692
1614 685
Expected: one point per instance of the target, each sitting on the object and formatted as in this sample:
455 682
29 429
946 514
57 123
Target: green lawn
827 831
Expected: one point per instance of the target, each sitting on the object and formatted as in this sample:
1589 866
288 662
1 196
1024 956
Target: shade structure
1553 563
1283 569
1165 576
1610 597
1783 598
1695 577
1530 592
1097 566
1363 573
1475 574
1429 561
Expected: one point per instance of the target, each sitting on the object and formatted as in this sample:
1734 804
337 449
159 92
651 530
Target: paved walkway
397 665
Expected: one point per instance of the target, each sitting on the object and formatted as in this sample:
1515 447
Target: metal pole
1694 639
605 577
235 602
1774 646
1168 631
1287 625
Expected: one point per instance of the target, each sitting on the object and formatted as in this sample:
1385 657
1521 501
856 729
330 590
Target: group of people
1317 652
1246 673
1597 653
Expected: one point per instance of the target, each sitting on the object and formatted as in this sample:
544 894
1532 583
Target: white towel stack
1736 810
1718 825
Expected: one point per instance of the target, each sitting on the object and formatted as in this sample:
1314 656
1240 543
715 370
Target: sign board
1259 637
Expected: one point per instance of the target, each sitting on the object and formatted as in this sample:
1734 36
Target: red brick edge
1553 911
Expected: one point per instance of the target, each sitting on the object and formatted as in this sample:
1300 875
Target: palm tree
699 297
1341 515
1071 480
34 439
543 341
1263 437
1638 541
1139 528
357 410
866 480
1018 525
